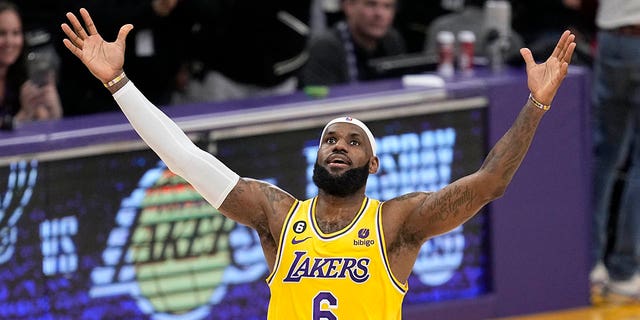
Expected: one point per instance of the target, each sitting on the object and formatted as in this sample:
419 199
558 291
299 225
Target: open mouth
338 161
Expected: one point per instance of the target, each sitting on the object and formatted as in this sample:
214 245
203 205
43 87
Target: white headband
347 119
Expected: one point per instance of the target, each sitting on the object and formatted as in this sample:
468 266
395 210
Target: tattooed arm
261 206
257 203
416 217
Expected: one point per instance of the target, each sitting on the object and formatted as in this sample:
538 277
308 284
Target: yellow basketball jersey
342 275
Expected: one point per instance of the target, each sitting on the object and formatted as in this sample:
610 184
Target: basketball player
339 255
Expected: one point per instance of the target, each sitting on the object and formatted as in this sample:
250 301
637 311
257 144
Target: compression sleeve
210 177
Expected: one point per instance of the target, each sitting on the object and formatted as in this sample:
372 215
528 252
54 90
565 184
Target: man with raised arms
339 255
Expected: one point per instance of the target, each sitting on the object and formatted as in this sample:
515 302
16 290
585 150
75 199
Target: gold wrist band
114 81
538 104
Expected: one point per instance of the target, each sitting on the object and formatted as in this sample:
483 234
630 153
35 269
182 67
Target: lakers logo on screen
172 251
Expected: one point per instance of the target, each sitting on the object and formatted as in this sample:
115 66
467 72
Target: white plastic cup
446 53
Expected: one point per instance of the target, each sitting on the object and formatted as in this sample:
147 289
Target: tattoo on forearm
505 157
458 202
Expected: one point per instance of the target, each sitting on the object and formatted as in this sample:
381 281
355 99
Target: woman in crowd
24 95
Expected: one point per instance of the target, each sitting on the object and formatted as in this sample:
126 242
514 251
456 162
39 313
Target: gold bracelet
538 104
114 81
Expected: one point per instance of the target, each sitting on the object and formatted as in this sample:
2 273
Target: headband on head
347 119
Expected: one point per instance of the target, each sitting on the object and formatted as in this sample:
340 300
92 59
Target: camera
42 58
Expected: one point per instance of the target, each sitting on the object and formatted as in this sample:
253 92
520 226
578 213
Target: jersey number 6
324 298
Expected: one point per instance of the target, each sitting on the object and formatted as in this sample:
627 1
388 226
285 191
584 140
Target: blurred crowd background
185 51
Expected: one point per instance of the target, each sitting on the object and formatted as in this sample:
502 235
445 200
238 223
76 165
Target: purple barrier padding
540 227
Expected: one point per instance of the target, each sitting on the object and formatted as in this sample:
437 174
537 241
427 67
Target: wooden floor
598 311
627 312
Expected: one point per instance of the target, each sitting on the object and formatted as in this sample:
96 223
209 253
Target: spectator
341 54
249 48
616 112
27 92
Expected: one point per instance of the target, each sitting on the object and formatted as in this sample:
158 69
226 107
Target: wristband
115 80
538 104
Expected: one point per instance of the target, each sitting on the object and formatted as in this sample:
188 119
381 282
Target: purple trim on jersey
353 222
283 236
383 252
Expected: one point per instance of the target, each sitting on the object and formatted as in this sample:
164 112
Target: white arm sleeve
210 177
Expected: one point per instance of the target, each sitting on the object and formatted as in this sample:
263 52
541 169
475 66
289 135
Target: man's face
370 18
345 160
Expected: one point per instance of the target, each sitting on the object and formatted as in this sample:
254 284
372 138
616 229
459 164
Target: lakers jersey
341 275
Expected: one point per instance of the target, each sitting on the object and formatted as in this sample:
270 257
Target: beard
342 185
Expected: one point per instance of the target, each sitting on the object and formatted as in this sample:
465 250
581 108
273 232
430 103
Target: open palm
104 59
545 78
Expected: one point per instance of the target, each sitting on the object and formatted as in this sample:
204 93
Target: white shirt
618 13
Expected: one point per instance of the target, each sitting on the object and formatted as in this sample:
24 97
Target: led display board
118 236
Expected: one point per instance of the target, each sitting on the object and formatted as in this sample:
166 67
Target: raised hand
104 59
544 79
